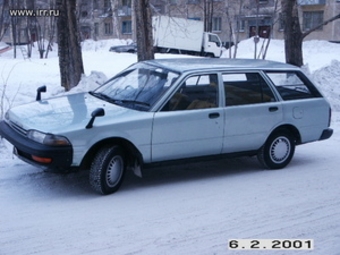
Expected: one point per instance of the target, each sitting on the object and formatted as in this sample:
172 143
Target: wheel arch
291 129
130 150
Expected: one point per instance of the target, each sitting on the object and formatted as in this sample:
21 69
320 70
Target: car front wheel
107 170
278 150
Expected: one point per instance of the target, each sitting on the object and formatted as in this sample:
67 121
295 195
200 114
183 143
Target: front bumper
26 150
327 133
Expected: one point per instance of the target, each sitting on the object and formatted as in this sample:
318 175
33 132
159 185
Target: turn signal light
42 160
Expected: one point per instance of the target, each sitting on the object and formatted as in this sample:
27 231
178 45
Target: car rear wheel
278 150
107 170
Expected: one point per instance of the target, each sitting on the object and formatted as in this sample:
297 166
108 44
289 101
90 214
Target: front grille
18 129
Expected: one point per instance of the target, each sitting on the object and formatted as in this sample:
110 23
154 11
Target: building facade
244 18
232 20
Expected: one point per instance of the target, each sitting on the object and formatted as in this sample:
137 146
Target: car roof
194 64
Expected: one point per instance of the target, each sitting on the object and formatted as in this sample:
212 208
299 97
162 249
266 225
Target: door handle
214 115
273 108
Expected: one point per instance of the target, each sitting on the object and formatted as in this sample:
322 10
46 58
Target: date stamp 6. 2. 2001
271 244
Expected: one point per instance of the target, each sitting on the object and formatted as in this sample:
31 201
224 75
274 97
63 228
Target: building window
95 4
84 14
241 24
108 28
281 22
312 19
127 27
216 24
195 18
96 29
193 1
126 3
107 4
158 8
175 1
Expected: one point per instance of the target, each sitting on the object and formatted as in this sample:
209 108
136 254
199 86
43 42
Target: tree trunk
145 49
70 58
115 26
293 36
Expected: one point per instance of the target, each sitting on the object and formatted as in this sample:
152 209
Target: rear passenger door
190 124
251 111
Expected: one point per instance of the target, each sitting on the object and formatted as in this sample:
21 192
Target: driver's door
191 123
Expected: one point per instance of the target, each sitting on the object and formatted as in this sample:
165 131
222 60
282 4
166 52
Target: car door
190 124
251 111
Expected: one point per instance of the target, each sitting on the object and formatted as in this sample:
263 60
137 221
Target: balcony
311 2
124 11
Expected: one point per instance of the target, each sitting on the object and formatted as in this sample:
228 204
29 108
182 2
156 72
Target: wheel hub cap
280 149
114 171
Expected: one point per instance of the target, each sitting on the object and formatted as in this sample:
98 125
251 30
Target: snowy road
191 209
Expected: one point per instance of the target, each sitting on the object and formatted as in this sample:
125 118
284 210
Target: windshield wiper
103 96
117 101
134 102
125 101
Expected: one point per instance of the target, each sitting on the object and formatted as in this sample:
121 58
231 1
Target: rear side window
246 88
293 85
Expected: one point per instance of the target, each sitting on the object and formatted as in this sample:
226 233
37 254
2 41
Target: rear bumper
25 149
327 133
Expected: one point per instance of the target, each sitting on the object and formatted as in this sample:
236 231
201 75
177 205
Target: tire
278 150
107 170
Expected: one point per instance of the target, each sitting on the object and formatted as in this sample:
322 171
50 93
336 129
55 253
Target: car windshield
139 87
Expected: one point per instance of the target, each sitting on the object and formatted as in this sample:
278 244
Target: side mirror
39 91
99 112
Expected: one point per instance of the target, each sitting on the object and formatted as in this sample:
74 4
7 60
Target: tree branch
320 25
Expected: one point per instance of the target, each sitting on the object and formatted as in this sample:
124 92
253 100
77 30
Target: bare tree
70 58
234 12
143 14
14 21
293 36
52 20
115 26
208 12
266 43
4 18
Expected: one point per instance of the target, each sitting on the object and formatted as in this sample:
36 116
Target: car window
197 92
140 87
246 88
292 85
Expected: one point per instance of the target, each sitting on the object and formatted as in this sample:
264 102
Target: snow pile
89 83
316 53
328 80
102 45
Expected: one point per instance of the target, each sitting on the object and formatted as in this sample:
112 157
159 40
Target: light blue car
161 111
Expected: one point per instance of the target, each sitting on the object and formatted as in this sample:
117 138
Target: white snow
188 209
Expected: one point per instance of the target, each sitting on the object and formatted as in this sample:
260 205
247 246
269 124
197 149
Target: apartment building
231 19
226 18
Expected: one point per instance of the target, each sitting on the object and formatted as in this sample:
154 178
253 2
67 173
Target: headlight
47 139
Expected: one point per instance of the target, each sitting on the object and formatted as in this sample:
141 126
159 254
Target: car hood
63 113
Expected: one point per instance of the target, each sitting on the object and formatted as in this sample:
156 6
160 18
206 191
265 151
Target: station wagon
167 110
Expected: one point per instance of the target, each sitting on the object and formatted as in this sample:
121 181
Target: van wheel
107 170
278 150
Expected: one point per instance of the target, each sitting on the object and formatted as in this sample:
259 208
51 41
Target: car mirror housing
99 112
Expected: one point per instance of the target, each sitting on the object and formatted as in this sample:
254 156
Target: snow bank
102 45
328 80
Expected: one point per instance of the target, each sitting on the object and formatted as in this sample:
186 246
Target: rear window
246 88
293 85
